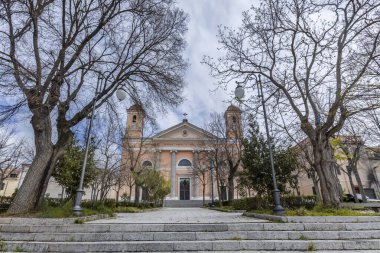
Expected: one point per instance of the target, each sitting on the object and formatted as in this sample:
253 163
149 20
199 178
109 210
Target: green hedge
111 203
258 203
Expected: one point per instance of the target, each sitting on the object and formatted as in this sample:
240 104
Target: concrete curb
266 216
52 221
227 211
314 219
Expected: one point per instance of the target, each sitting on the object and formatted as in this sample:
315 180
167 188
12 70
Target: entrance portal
184 188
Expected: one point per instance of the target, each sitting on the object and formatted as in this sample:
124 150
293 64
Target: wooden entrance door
184 189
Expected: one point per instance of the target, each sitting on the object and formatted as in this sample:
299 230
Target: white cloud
200 96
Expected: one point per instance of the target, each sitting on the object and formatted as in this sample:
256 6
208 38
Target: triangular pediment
184 130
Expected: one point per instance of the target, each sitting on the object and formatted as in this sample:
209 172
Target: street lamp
239 94
212 182
77 209
121 95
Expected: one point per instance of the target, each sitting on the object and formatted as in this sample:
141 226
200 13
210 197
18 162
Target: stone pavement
180 215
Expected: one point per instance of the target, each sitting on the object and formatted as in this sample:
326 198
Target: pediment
183 131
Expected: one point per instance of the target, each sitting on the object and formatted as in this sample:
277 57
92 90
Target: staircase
184 203
250 237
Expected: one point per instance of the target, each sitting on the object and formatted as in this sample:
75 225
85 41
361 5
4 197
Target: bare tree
50 63
201 171
227 150
349 146
11 155
109 153
372 119
129 181
301 55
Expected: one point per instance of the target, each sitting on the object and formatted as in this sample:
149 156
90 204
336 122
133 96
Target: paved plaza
180 215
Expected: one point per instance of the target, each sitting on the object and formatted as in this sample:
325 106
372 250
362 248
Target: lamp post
239 94
212 182
77 209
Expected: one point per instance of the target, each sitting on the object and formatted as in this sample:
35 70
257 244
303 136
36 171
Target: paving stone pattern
180 215
201 230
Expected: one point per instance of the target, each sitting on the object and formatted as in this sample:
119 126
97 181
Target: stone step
191 236
261 251
184 203
191 227
219 245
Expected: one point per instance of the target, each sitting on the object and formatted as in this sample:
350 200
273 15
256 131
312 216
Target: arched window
147 164
184 163
134 119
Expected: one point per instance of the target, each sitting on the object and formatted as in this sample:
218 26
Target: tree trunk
218 185
130 193
316 186
359 181
117 196
231 188
29 194
137 194
58 152
204 194
324 166
352 186
62 192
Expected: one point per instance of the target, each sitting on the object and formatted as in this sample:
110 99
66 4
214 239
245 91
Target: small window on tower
234 121
134 119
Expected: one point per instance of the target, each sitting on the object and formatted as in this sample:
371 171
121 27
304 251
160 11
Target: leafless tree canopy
321 58
226 150
12 155
52 53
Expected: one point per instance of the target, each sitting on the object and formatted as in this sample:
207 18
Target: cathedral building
182 153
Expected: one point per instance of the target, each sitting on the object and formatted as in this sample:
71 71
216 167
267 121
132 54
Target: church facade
182 153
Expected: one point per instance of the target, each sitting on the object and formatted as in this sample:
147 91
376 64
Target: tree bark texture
29 193
352 186
316 186
231 188
360 184
32 192
218 184
325 168
137 194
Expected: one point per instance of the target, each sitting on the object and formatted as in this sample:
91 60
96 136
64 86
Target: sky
200 95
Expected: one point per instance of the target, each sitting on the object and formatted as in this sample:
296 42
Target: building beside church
368 167
179 152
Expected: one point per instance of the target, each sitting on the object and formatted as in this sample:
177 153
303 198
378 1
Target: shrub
5 202
111 203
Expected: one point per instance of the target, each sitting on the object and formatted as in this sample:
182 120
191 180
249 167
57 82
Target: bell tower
232 118
135 121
